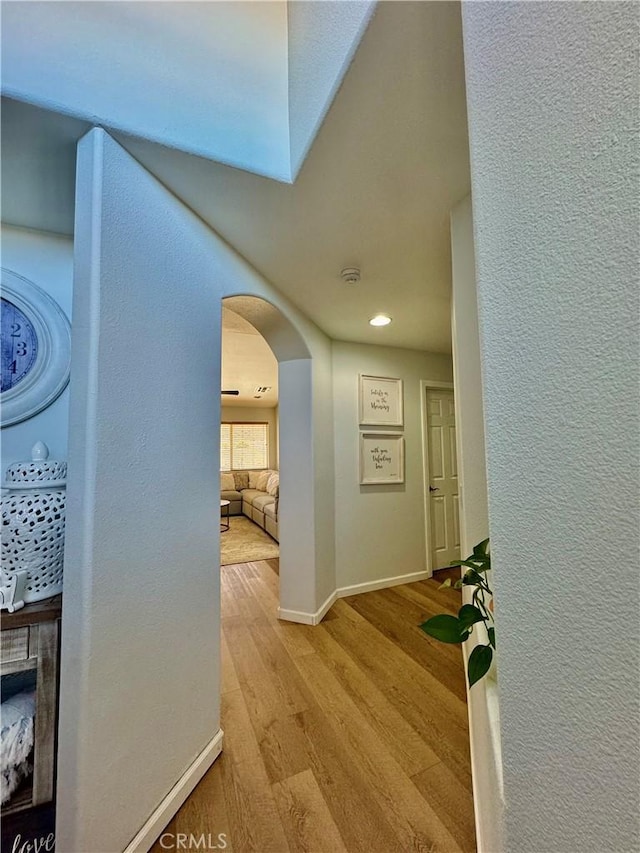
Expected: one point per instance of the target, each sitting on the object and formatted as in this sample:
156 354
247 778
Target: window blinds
244 446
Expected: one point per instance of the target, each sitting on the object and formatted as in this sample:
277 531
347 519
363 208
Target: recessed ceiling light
380 320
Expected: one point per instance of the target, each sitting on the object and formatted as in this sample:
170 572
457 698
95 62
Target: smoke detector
350 275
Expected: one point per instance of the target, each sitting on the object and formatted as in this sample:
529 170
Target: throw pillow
253 479
273 484
262 480
227 483
241 479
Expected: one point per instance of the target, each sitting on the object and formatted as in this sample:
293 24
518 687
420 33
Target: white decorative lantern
33 517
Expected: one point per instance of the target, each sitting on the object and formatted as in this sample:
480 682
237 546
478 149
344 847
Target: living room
248 444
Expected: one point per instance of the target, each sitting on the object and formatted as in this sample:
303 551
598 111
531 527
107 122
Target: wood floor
347 736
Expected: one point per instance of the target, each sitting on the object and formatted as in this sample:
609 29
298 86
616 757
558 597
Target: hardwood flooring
347 736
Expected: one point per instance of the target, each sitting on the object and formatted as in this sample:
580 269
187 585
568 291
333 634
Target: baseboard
161 816
342 592
296 616
383 583
307 618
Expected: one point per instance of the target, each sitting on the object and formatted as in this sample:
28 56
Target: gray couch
257 504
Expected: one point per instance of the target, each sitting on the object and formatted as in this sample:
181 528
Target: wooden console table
31 641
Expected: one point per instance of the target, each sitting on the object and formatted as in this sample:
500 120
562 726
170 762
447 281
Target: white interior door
443 478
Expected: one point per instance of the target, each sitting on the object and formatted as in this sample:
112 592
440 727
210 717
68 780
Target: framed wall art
380 399
381 458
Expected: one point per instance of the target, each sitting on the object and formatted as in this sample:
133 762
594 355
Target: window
244 446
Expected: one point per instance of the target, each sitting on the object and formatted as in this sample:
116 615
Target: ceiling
248 364
375 191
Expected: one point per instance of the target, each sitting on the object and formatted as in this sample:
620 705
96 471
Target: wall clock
35 339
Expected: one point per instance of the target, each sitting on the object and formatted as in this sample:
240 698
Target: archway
296 514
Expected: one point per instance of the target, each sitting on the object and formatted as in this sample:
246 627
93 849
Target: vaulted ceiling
388 163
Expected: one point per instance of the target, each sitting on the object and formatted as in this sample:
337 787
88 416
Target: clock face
19 344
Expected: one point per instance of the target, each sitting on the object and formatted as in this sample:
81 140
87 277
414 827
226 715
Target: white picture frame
381 458
380 401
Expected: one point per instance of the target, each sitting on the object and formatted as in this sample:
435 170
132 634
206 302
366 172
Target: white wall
380 530
297 517
46 260
240 414
139 693
222 66
484 722
323 38
324 476
552 96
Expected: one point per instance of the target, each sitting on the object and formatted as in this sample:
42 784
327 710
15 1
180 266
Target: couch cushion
273 484
270 511
262 501
249 495
253 479
271 527
262 480
230 495
241 479
227 482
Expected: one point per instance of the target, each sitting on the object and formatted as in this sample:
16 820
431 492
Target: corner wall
140 682
380 530
552 93
482 700
46 260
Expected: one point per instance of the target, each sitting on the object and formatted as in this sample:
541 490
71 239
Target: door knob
431 489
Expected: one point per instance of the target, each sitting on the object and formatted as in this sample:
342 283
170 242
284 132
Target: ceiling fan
232 393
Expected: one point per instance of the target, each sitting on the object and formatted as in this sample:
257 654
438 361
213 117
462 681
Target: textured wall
221 66
139 694
322 40
47 261
484 732
552 96
380 530
472 469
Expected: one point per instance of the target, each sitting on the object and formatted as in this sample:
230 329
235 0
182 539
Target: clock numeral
21 348
15 330
14 367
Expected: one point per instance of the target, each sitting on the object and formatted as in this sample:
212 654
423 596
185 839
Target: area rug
245 542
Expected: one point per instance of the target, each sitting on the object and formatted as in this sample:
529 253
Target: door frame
426 385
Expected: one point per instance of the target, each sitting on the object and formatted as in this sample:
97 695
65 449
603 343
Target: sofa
254 494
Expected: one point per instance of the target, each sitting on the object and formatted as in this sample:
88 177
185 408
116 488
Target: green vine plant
458 629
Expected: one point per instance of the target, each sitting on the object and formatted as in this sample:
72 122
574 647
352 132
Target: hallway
348 736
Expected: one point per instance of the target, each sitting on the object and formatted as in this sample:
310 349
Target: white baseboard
161 816
307 618
383 583
343 592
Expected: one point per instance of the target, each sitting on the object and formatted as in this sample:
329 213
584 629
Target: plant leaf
481 548
492 636
445 584
445 628
479 663
471 578
468 615
476 565
458 584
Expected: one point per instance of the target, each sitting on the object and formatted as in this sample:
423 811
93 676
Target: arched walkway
296 511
